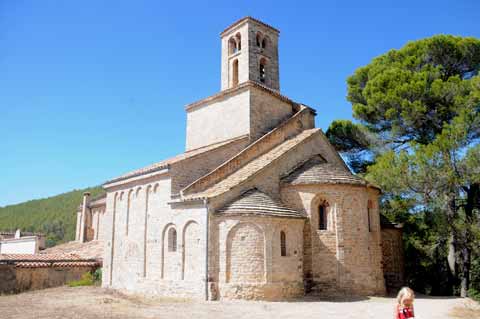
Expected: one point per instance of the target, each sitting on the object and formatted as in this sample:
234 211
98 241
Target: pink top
404 312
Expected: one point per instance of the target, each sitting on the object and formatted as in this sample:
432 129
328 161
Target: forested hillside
54 216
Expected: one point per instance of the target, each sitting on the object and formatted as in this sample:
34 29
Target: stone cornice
237 89
245 20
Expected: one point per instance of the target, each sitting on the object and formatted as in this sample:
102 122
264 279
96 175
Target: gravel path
95 303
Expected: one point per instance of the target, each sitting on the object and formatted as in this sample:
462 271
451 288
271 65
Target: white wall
148 266
24 245
218 121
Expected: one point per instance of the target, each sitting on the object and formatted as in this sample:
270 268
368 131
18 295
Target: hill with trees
54 216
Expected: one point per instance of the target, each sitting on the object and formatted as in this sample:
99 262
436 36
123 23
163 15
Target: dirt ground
95 303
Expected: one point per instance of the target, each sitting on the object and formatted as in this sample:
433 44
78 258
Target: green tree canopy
417 135
408 94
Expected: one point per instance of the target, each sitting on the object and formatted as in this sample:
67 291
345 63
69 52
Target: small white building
15 243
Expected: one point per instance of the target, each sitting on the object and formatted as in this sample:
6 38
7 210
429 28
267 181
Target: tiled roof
318 171
253 167
47 260
248 18
165 163
256 202
88 250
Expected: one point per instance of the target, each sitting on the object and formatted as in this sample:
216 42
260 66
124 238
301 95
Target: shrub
97 276
474 294
85 280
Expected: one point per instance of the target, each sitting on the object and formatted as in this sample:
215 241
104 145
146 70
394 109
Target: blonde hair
405 292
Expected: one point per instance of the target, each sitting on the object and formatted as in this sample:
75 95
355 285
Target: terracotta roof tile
47 260
88 250
256 202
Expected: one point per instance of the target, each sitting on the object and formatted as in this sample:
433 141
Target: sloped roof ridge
316 170
237 161
254 167
175 159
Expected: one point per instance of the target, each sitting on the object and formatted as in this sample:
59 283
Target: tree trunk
451 255
454 241
473 199
465 283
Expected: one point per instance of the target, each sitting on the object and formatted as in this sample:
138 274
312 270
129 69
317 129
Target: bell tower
250 53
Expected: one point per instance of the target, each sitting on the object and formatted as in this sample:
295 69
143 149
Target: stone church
259 206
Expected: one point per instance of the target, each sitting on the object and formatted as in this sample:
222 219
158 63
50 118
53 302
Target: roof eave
245 20
144 175
241 86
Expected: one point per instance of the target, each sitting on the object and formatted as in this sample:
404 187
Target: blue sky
92 89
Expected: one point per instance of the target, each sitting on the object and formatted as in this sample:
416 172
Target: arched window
369 208
235 73
172 240
238 38
264 43
322 217
262 70
283 244
259 39
232 46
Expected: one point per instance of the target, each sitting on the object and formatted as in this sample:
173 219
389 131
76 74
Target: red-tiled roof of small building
88 250
47 260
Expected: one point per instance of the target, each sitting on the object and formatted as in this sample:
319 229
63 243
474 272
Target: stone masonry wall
249 56
299 121
346 257
15 280
95 227
393 258
268 180
218 121
266 112
241 56
141 260
185 172
269 53
245 258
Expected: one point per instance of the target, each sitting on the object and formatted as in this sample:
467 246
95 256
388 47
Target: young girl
404 308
